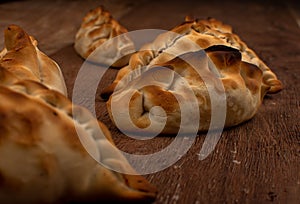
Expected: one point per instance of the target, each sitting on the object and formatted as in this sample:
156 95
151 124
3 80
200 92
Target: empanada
22 57
42 157
245 78
97 27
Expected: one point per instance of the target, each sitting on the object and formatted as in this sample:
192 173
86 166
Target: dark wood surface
256 162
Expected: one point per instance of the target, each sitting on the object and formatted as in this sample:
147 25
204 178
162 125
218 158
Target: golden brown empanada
42 157
97 27
22 57
245 78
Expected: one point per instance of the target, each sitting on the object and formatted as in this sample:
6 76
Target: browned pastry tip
22 57
102 39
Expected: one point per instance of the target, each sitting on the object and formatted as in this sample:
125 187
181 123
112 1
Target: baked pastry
22 57
246 79
97 28
42 157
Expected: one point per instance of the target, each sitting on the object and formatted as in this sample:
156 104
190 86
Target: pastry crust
42 158
22 57
246 79
97 27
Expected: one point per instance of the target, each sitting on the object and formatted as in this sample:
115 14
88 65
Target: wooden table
256 162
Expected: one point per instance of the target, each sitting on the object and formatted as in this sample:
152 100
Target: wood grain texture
256 162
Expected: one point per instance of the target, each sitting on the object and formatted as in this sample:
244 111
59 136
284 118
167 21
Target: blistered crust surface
246 79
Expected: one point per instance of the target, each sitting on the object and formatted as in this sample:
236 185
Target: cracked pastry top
208 46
